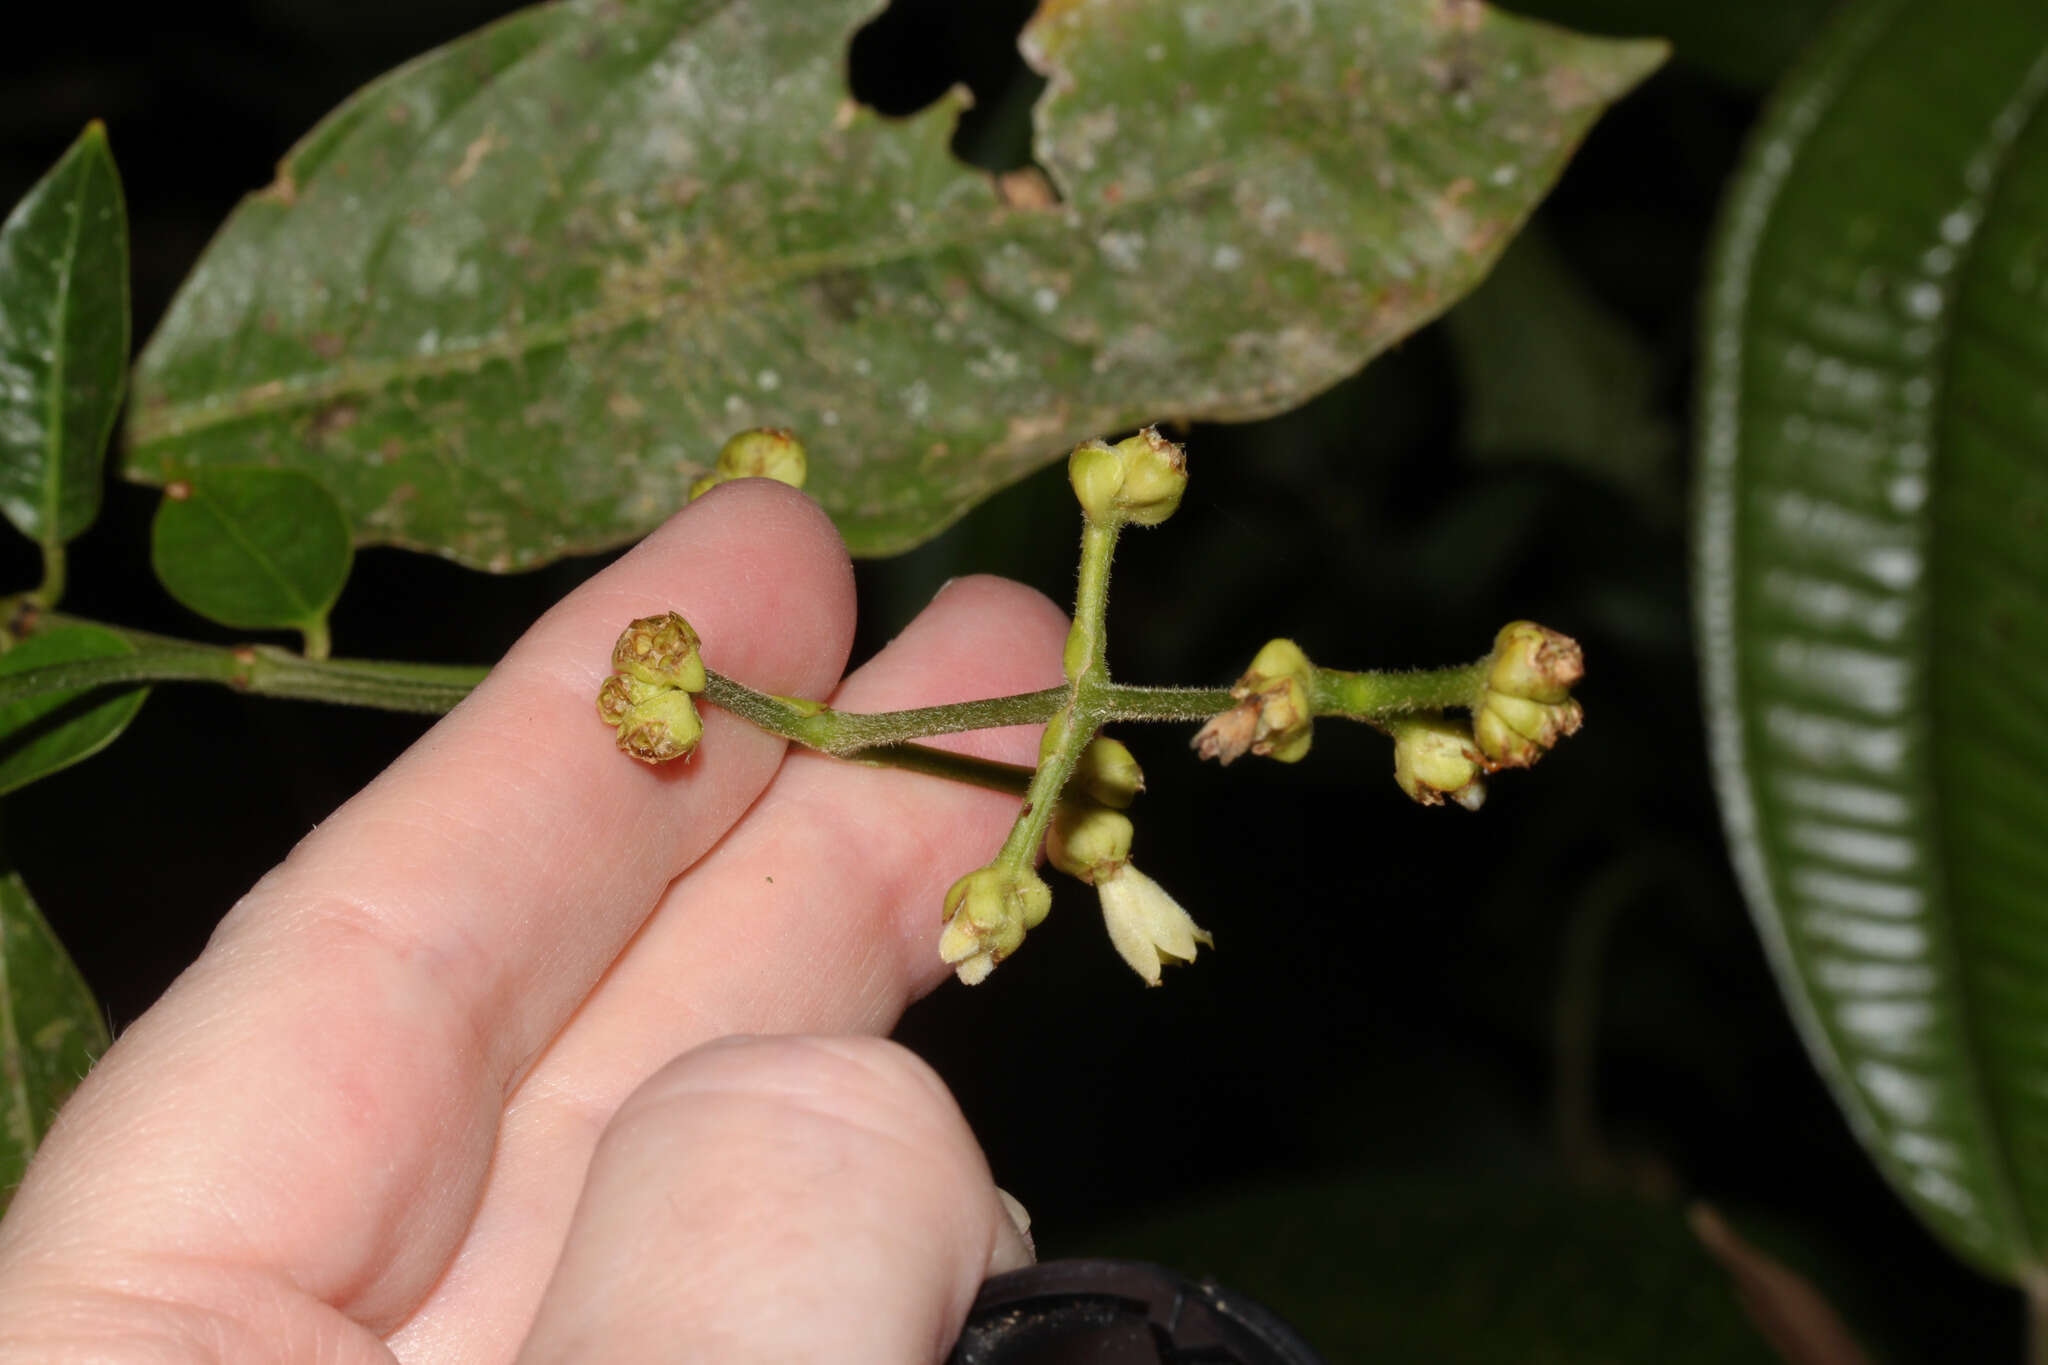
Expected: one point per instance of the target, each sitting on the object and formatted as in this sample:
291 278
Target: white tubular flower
1146 925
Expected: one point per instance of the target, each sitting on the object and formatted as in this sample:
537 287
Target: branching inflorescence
1516 702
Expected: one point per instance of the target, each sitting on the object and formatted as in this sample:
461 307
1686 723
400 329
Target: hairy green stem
1072 711
1009 778
1069 728
848 732
1372 697
423 689
51 590
319 644
431 689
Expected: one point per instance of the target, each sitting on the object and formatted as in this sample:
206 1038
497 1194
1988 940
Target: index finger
331 1072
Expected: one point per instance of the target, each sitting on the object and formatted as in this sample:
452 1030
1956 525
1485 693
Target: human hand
417 1097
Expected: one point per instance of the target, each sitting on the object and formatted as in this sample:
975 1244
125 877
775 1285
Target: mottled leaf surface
507 302
1399 1265
63 341
253 548
42 734
51 1029
1873 591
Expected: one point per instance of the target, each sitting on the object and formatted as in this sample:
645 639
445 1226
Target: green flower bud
761 453
1147 926
1436 758
1086 840
1273 717
1097 476
1138 480
648 699
1155 476
661 651
663 727
619 695
987 914
1107 774
1527 706
1535 663
1513 732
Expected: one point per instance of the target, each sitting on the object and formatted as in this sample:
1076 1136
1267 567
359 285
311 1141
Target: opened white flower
1147 926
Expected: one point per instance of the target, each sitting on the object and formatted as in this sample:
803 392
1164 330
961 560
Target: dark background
1562 992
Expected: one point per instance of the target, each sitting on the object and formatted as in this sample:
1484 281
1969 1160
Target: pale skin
530 1052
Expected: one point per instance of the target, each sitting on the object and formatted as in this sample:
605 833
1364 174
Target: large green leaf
51 1030
42 734
1442 1266
507 301
63 341
1873 590
253 548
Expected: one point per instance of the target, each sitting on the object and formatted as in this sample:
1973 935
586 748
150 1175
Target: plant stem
1118 701
1072 711
1009 778
848 732
422 689
318 643
1372 697
1069 728
51 590
431 689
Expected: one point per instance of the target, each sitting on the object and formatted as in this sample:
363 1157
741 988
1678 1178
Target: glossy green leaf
51 1029
508 301
257 549
63 341
42 734
1405 1266
1873 590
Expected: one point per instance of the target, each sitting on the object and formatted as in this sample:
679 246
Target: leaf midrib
52 536
263 559
2028 100
313 389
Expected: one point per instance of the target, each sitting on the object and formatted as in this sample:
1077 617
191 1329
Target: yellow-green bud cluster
1137 481
647 698
1090 836
1436 758
760 453
987 914
1527 706
1273 718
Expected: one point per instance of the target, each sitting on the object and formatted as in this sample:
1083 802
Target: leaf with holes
1873 590
63 341
257 549
508 301
51 1030
40 735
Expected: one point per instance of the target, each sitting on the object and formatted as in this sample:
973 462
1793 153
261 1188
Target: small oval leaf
51 1029
1873 547
63 341
256 549
40 735
509 300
